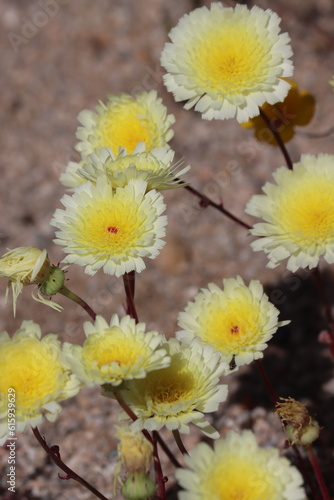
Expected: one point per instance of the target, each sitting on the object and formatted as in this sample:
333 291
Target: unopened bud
138 486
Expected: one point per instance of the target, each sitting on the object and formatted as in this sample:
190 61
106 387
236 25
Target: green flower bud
53 283
138 486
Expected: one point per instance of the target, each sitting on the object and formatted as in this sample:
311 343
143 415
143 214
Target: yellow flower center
113 347
112 226
125 125
30 368
235 478
231 326
231 59
170 385
306 212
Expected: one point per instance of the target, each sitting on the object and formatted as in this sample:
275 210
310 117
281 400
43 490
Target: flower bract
297 109
34 372
153 167
181 393
237 321
115 352
227 61
237 468
298 214
111 229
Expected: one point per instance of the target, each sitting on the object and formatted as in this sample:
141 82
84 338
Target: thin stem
318 473
168 452
218 206
266 381
72 296
158 470
328 313
53 453
179 442
129 286
124 406
278 138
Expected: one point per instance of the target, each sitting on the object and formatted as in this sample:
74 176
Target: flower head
181 393
238 468
153 167
113 230
227 61
300 427
299 214
122 122
26 266
237 321
115 352
297 109
34 370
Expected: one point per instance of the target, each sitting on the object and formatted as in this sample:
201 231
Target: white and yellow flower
227 61
26 266
238 468
153 167
298 214
180 394
122 122
35 374
111 229
114 352
237 321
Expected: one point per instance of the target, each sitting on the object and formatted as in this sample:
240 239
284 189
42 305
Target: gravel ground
65 61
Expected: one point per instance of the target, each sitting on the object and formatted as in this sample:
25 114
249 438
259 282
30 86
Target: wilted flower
297 109
300 427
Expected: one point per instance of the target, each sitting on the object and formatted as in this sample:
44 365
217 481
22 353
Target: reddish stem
278 138
72 296
129 286
317 473
53 453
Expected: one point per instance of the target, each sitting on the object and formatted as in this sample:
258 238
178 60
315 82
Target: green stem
179 442
53 453
72 296
278 138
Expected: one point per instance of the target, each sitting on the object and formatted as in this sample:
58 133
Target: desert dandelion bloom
153 167
111 229
122 122
115 352
238 468
34 370
179 395
227 61
237 321
299 214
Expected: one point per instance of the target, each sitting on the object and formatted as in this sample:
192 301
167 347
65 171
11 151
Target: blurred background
59 57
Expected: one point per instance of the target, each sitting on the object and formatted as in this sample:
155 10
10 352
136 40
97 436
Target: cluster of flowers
226 63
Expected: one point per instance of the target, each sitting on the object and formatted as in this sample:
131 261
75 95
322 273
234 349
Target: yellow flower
227 61
119 351
26 266
238 469
113 230
237 321
332 83
180 394
298 214
34 376
153 167
297 109
123 121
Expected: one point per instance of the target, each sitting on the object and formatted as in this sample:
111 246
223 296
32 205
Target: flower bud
138 486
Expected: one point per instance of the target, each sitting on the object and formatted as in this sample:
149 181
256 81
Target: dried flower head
300 427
